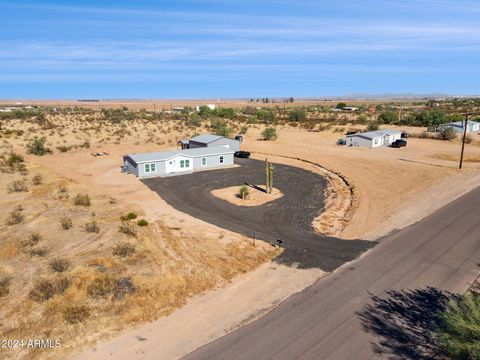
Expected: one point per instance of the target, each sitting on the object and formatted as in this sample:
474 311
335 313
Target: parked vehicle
242 154
399 143
404 135
342 142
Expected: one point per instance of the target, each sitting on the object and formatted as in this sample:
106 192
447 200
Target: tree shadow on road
403 322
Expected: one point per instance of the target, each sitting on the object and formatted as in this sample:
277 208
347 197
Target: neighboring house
458 126
177 162
373 139
208 140
210 106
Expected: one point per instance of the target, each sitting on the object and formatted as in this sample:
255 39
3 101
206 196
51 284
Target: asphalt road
288 218
378 306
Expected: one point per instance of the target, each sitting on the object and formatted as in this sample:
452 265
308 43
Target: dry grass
110 279
452 157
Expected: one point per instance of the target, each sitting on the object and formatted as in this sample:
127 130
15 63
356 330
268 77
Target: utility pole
463 140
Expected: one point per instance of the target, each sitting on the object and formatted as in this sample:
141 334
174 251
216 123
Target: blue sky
228 49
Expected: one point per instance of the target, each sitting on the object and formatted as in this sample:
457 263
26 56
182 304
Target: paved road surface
288 218
330 319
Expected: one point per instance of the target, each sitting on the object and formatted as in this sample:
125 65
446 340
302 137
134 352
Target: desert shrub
269 134
468 139
458 331
64 148
388 117
128 229
13 159
33 239
123 286
16 216
373 126
37 147
85 145
62 191
124 250
101 286
266 116
76 314
243 130
59 265
82 200
45 289
37 179
92 227
4 286
447 133
17 186
297 115
142 222
244 192
38 252
129 216
66 222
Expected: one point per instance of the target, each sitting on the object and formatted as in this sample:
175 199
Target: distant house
167 163
373 139
209 140
458 126
210 106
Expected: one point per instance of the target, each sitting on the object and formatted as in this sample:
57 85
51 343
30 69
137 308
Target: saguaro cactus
270 178
267 176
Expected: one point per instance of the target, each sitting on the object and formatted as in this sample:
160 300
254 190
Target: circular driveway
288 218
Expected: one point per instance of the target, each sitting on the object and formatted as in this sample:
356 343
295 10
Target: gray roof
206 138
165 155
461 123
376 134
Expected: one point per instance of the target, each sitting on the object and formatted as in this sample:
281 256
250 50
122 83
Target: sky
237 49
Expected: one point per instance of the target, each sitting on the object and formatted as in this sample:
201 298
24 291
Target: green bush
297 115
129 216
142 222
269 134
37 147
14 159
388 117
459 330
244 192
447 133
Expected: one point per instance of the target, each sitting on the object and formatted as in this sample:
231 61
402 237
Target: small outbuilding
459 126
167 163
209 140
373 139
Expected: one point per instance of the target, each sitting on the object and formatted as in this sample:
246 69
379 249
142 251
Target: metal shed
209 140
167 163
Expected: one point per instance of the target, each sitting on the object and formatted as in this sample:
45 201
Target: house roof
206 138
375 134
191 153
461 123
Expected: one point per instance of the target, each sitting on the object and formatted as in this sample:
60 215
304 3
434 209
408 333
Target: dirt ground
256 197
373 191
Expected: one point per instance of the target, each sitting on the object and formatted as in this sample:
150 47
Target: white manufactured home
459 126
373 139
167 163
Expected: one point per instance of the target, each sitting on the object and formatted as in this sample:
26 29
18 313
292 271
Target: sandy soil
256 197
208 317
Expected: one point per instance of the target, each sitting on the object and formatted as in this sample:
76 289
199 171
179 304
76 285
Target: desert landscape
92 252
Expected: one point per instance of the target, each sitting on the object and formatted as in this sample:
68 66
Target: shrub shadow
403 322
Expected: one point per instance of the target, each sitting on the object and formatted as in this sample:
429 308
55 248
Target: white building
458 126
210 106
373 139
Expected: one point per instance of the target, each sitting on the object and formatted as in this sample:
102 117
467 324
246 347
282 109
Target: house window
221 159
182 164
204 161
375 141
187 163
150 168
